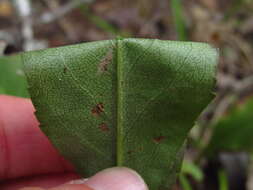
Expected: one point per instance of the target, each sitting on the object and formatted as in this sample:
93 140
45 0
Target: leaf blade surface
125 102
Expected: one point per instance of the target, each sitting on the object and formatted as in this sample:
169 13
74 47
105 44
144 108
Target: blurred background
219 154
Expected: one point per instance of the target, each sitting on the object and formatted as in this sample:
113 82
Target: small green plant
178 19
122 102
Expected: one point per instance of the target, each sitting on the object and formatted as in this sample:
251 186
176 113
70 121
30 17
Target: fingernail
115 179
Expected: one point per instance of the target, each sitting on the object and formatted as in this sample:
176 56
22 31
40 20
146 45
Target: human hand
29 161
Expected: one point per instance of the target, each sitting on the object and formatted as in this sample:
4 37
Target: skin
28 161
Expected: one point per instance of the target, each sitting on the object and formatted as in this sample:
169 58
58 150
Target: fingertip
22 140
116 178
62 187
32 188
72 187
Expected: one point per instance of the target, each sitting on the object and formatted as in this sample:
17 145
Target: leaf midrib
119 127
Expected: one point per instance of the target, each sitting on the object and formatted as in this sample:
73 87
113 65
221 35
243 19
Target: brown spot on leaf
158 139
103 66
104 127
98 109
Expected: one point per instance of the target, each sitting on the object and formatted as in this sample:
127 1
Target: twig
64 22
23 8
51 16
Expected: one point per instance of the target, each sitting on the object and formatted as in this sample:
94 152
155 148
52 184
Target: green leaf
123 102
223 180
185 183
178 18
192 169
233 132
12 78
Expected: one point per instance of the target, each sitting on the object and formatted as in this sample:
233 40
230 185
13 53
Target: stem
23 8
177 13
223 181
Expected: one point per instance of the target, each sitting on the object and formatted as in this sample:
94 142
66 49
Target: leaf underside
122 102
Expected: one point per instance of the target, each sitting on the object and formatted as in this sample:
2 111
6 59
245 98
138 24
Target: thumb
62 187
117 178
